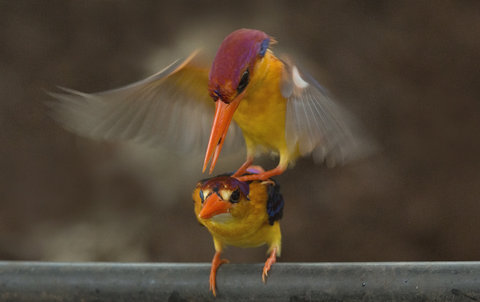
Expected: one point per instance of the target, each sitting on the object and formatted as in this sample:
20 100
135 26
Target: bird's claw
213 272
268 264
262 175
213 285
244 167
264 276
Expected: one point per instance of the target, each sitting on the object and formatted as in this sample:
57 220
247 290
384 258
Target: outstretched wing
171 108
316 124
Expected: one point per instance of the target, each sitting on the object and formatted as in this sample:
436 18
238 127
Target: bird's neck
261 113
267 71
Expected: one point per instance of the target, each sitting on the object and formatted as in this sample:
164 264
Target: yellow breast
261 113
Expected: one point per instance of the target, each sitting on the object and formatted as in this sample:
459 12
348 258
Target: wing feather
315 124
170 108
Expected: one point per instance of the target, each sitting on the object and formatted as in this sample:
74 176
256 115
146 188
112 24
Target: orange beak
223 116
214 205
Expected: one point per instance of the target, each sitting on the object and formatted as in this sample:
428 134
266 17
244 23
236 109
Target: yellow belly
267 234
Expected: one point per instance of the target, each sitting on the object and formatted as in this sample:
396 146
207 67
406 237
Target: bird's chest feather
244 235
236 228
247 226
261 114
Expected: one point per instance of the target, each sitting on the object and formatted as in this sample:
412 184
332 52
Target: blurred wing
316 123
171 108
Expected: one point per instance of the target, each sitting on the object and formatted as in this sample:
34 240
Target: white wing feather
316 124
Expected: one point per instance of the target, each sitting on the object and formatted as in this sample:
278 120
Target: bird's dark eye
201 196
215 95
235 196
243 81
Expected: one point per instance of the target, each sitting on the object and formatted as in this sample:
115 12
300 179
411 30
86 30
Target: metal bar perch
386 281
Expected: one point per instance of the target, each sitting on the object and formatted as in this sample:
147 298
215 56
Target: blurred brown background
408 70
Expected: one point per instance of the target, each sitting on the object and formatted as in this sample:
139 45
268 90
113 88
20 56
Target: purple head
234 62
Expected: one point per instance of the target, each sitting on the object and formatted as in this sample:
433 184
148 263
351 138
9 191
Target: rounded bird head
229 79
224 199
234 63
220 195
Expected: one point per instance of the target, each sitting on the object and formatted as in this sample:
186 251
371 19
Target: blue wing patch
275 203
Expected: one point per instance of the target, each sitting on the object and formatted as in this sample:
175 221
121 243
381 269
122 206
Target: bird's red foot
244 167
268 264
263 175
216 262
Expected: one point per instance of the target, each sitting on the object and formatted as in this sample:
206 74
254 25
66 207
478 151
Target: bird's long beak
223 116
214 205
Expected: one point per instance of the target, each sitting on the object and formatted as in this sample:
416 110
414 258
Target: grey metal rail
388 281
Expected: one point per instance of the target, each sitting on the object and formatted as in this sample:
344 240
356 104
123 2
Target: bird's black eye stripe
235 196
243 81
201 196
